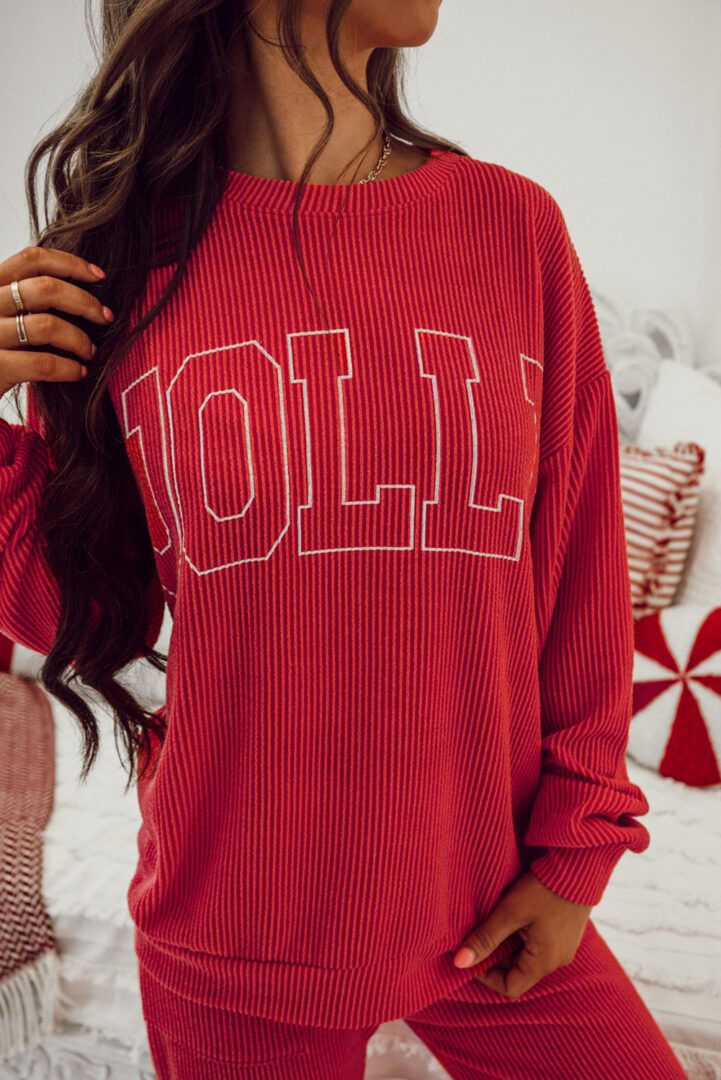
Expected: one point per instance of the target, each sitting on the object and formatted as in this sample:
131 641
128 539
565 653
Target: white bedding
661 915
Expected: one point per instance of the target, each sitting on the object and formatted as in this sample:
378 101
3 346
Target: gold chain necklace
381 160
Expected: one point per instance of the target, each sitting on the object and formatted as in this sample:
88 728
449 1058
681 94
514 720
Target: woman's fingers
44 291
46 329
33 260
40 275
18 367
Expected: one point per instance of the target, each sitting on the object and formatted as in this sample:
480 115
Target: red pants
584 1020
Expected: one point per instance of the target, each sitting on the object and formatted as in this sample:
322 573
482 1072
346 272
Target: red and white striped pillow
660 492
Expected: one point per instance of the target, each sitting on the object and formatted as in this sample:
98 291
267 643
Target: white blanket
661 915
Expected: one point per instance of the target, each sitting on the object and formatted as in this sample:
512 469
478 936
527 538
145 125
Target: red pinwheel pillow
676 722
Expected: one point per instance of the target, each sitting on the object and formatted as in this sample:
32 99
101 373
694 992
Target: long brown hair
143 137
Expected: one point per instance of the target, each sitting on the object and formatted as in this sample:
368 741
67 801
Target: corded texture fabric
390 534
585 1019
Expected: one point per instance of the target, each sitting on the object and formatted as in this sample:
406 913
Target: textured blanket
29 962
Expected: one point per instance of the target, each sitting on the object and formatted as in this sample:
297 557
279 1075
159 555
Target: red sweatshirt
392 544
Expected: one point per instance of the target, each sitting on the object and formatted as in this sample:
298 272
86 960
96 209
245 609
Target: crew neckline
269 193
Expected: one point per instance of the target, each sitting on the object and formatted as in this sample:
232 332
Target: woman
362 441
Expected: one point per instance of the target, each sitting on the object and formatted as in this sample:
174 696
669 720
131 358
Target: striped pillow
660 493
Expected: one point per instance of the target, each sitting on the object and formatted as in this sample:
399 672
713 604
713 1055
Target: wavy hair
139 149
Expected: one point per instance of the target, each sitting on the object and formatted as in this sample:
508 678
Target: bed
661 913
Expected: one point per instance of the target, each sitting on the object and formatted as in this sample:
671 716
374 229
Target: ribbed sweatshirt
389 530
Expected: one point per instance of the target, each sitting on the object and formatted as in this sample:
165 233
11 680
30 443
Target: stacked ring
19 321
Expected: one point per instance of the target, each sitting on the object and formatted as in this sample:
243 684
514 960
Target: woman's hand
40 273
551 928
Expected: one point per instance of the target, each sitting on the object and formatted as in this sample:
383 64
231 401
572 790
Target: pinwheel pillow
676 722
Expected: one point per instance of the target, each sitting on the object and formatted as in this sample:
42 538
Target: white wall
615 107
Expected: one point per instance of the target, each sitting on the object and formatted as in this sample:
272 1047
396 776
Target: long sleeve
29 593
582 819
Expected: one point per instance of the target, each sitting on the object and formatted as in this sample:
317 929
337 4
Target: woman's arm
29 597
583 816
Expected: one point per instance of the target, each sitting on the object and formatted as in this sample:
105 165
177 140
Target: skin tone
550 926
274 119
41 273
273 123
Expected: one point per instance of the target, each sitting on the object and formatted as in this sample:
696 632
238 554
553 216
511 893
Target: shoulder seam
605 374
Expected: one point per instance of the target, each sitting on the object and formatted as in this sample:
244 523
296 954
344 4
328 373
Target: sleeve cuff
577 874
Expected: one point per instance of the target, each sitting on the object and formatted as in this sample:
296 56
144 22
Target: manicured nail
83 369
108 314
97 271
464 958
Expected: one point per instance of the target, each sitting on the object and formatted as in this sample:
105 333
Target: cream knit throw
29 968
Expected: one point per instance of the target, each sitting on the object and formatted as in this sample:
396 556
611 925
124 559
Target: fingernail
464 958
94 349
97 271
83 369
108 314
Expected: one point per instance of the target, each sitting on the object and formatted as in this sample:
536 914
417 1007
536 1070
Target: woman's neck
275 119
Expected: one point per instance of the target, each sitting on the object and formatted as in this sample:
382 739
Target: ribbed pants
583 1021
